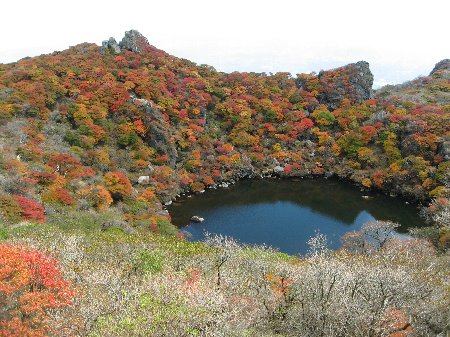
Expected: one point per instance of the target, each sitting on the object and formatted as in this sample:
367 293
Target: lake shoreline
295 206
419 203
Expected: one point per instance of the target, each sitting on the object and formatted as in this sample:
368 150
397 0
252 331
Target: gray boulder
444 148
143 180
134 41
112 45
278 169
196 218
441 65
353 81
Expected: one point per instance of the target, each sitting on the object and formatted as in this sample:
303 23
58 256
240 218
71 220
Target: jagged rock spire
353 81
112 45
441 65
134 41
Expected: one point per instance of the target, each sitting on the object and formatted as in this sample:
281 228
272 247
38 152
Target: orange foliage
30 286
148 196
97 195
280 284
118 184
58 195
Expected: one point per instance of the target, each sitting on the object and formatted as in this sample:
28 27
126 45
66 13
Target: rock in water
134 41
196 218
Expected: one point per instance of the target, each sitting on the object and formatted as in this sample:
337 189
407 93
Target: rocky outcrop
441 65
111 45
118 224
278 169
444 148
353 81
159 132
143 180
134 41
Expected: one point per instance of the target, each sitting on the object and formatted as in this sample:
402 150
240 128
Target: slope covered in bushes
74 120
95 140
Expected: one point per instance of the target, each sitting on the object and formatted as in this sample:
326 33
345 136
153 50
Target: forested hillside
95 141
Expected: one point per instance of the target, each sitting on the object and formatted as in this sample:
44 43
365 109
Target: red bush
30 285
30 209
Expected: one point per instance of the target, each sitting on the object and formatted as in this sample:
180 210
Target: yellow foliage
276 147
366 182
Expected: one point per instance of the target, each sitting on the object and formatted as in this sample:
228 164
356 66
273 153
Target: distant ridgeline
128 124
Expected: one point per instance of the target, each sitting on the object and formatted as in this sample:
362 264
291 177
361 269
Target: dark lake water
286 213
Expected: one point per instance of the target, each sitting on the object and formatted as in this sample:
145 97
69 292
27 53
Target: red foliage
43 177
30 285
31 210
66 165
162 159
57 194
305 124
183 114
226 148
367 133
287 169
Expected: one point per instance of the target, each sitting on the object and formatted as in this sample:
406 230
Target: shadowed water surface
285 213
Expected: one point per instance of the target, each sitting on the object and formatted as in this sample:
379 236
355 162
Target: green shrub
150 262
3 233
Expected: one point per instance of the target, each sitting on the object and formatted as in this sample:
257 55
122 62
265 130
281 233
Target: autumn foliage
117 184
30 286
16 207
87 128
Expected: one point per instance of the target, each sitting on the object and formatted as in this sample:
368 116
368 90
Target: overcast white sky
400 39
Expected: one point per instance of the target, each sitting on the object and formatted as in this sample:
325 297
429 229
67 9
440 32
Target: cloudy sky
400 39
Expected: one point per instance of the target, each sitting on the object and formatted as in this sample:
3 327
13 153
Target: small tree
318 245
377 233
226 246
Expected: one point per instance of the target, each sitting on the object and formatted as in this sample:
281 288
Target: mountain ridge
95 142
202 127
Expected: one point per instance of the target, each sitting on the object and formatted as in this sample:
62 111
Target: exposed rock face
444 148
151 169
278 169
353 81
118 224
441 65
112 45
134 41
159 131
158 135
143 180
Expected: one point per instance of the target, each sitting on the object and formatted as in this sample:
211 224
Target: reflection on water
285 213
